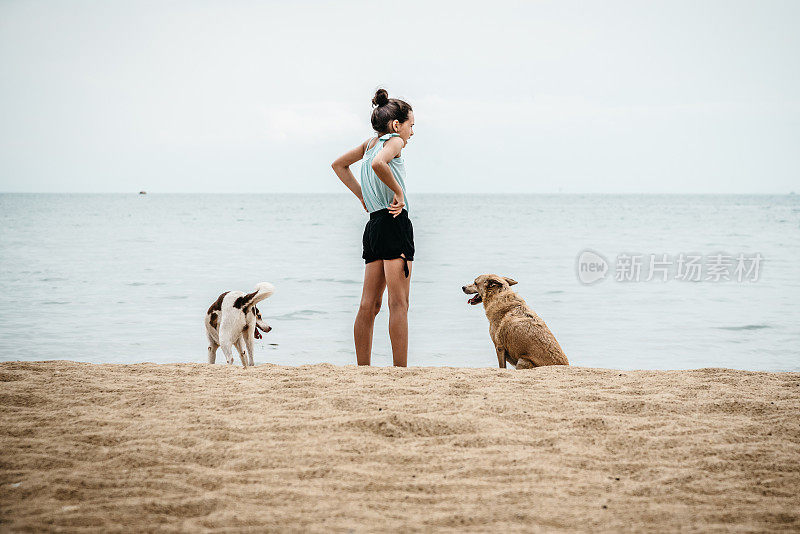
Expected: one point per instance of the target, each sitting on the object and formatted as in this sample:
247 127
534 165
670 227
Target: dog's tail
263 290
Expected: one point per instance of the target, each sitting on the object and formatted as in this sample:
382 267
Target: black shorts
387 237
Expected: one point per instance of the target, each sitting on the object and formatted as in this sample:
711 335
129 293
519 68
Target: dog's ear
510 281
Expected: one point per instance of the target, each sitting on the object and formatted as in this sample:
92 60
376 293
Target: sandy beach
193 447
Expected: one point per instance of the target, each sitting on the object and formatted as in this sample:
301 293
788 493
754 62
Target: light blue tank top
377 194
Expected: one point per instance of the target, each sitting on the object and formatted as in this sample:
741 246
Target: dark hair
386 110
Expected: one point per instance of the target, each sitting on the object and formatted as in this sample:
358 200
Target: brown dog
520 336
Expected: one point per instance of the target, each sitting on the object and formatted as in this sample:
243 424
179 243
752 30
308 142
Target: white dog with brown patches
234 320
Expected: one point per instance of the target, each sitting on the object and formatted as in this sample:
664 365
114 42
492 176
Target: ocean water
127 278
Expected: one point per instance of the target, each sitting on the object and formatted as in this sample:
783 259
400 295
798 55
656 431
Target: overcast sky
633 96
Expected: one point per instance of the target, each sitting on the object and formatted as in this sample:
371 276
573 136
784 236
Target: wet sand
193 447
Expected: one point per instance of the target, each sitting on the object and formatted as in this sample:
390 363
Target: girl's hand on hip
397 205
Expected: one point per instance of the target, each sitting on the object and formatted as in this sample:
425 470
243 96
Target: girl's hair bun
387 110
381 98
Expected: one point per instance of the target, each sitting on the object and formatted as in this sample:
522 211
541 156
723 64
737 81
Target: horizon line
145 192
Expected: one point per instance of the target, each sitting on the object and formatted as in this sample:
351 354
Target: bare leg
371 294
212 352
399 289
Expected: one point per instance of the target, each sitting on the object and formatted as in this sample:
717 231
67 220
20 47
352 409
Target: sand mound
323 448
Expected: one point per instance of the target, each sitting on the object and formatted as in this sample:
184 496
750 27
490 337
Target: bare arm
380 164
342 169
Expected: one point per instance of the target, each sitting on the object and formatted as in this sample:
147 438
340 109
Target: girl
389 236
